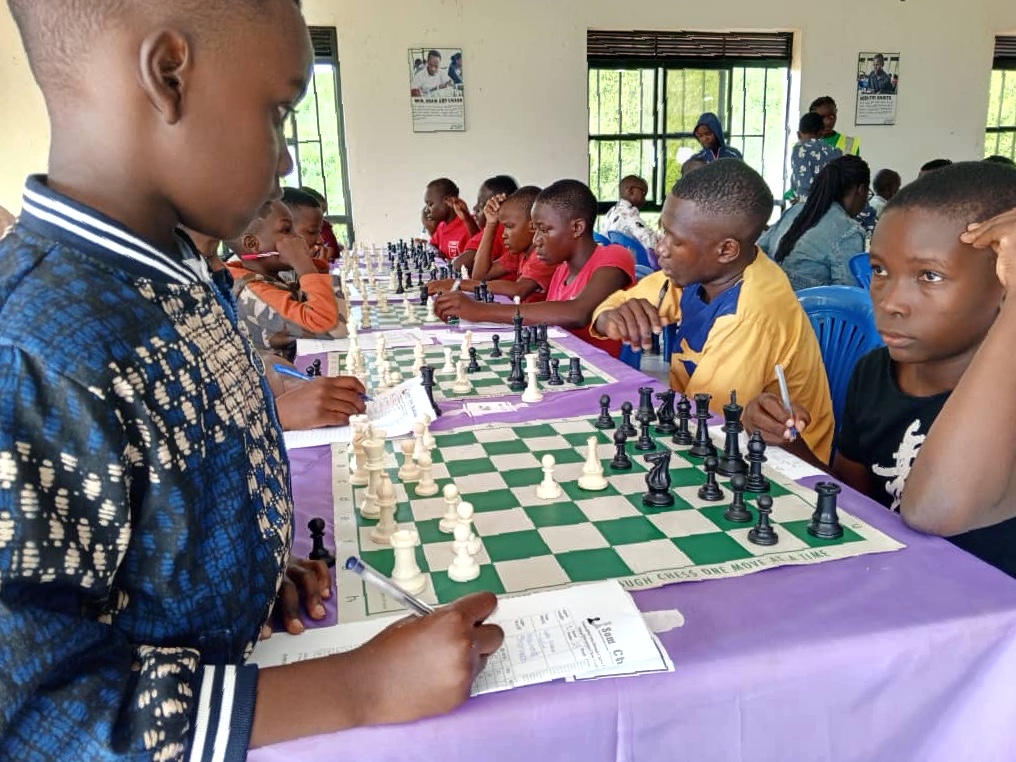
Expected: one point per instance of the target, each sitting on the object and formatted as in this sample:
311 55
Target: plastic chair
669 341
860 267
633 245
641 271
630 357
601 239
844 321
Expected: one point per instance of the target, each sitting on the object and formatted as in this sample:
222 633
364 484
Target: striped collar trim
84 228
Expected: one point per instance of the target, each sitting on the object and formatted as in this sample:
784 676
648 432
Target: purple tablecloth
908 655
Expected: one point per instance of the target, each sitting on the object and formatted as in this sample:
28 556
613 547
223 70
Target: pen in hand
785 394
285 370
386 586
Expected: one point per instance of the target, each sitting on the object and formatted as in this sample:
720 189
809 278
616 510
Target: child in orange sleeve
584 275
308 223
451 231
276 313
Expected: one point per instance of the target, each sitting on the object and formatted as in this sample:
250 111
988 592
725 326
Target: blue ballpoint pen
285 370
386 586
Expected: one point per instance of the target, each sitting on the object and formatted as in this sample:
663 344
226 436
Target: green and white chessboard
490 381
532 544
394 318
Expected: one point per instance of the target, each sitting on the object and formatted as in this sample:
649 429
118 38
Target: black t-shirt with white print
883 428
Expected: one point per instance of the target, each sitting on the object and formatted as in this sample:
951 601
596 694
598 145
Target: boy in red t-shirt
499 185
519 272
585 274
452 232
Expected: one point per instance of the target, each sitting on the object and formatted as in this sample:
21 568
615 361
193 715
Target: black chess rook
703 446
825 522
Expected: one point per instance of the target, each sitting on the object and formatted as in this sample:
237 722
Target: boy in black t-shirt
935 298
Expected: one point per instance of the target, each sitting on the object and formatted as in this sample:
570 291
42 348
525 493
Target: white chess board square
378 603
462 452
682 523
529 573
516 461
482 375
573 426
791 508
606 508
502 522
654 555
563 539
626 482
543 445
426 508
567 472
605 452
787 541
500 434
485 482
439 555
527 497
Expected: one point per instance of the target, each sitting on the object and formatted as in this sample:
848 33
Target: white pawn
365 316
419 357
375 449
394 376
451 517
392 284
461 385
426 486
381 347
406 573
465 516
408 313
464 567
386 526
352 332
382 376
548 489
428 439
449 363
532 392
409 472
419 441
464 273
467 342
382 302
431 315
592 470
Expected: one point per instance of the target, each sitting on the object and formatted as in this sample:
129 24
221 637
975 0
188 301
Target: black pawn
474 364
516 378
543 362
646 405
825 523
621 461
711 490
575 371
737 511
626 424
645 442
665 413
427 379
682 435
703 446
605 421
756 457
424 295
496 351
731 461
317 536
763 533
658 481
555 373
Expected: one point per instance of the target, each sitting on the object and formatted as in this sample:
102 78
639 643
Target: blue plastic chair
669 341
860 267
630 357
633 245
641 271
601 239
844 321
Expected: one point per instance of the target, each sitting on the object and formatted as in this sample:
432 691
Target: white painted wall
525 77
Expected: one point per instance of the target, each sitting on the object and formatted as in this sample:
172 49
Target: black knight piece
731 461
763 533
665 412
711 490
605 421
427 376
621 461
682 436
703 446
737 511
658 481
317 537
825 523
756 457
626 424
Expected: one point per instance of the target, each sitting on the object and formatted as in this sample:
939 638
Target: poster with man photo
878 82
435 90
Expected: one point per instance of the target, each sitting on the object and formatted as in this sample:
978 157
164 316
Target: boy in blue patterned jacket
145 510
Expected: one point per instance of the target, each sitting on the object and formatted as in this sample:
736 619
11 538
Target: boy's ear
578 227
165 65
728 251
251 243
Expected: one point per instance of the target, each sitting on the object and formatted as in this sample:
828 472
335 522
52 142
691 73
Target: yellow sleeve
649 288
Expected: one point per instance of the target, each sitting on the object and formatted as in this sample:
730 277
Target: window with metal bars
316 136
1000 134
648 89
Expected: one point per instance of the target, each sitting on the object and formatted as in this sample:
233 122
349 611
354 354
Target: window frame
1004 62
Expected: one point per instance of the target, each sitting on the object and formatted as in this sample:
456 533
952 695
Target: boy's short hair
311 192
57 34
822 100
810 124
631 179
571 197
499 184
525 197
728 188
445 186
433 54
968 191
295 198
997 159
930 166
884 180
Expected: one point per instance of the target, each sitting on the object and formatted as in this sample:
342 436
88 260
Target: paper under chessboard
367 342
581 632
